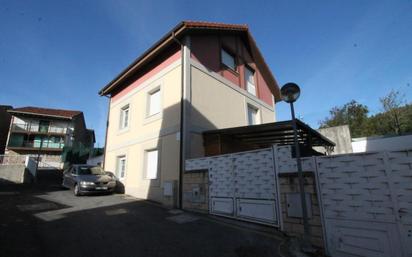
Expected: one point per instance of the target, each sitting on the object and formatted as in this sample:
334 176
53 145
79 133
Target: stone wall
14 173
289 183
196 191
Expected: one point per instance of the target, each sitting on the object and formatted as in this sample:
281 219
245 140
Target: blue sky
60 53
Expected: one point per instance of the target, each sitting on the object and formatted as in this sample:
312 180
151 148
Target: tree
353 114
392 111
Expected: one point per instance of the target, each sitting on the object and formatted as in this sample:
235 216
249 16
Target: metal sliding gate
245 186
366 203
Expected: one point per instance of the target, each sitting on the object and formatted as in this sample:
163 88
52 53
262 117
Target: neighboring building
199 76
96 160
340 135
5 119
381 143
42 131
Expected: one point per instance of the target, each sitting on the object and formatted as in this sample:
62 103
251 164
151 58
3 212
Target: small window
151 159
124 117
154 104
121 167
250 80
228 59
252 115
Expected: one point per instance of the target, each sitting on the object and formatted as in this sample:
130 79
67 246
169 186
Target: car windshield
91 170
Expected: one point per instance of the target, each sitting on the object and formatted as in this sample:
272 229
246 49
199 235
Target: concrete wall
371 144
160 131
340 135
13 173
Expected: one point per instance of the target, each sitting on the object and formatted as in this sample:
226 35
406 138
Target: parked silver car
85 179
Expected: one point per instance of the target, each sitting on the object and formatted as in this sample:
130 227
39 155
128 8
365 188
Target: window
250 80
124 117
228 59
252 115
151 159
121 167
154 104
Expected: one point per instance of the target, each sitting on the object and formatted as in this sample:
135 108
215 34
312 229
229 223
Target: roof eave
178 31
40 114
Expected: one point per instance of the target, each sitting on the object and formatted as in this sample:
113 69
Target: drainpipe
107 128
182 127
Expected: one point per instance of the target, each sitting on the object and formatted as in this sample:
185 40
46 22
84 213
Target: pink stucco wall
165 61
206 50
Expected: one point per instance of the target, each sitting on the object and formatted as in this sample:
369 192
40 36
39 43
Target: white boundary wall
365 199
368 144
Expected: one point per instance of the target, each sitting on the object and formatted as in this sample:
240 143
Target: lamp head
290 92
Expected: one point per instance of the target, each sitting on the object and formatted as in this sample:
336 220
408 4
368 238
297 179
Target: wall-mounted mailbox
294 205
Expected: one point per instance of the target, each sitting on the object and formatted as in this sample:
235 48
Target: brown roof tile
69 114
215 25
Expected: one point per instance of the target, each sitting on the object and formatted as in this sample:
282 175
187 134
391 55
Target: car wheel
76 190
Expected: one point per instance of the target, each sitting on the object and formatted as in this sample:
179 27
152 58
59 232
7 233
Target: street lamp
290 92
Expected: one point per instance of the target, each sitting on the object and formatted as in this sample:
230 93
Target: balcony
37 129
46 144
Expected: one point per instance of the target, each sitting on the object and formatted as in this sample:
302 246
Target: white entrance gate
244 186
366 203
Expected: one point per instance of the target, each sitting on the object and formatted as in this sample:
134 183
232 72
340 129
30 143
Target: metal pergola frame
280 133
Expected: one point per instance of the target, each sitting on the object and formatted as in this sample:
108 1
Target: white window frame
250 87
124 123
147 164
157 90
257 114
118 173
224 53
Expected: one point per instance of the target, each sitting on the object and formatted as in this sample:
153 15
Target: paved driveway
52 222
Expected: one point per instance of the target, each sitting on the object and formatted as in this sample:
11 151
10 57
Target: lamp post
290 92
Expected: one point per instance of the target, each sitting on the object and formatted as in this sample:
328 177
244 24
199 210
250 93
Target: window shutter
250 81
154 103
151 164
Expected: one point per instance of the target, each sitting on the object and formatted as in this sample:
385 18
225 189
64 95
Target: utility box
294 205
168 188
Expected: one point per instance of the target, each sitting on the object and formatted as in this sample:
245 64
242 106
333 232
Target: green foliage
76 154
395 118
353 114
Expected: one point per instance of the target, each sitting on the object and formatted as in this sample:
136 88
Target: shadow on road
49 221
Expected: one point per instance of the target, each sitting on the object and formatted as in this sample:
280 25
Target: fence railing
37 144
30 127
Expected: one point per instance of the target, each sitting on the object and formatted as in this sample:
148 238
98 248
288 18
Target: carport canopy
265 135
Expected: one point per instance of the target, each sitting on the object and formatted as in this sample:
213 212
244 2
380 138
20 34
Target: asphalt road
49 221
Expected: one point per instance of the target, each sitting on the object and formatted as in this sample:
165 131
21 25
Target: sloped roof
58 113
187 27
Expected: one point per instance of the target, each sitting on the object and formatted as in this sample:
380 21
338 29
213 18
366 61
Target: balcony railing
36 144
30 127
